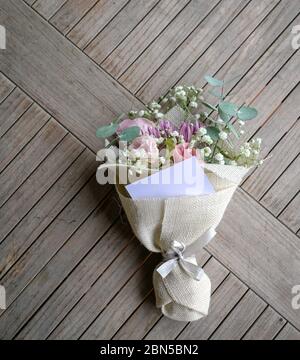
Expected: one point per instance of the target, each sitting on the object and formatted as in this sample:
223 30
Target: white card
185 178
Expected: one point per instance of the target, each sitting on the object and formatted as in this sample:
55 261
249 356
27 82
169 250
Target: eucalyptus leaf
130 133
225 117
106 130
233 130
213 81
228 108
247 113
213 132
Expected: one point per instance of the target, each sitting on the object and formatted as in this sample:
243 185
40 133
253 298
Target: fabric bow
189 264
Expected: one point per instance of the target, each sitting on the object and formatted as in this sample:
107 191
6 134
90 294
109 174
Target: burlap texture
157 223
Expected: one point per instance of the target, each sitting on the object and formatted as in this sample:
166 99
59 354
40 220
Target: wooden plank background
72 65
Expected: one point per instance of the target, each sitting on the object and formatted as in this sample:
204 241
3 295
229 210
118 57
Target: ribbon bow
189 264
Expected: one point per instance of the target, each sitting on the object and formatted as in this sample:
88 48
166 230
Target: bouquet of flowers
179 126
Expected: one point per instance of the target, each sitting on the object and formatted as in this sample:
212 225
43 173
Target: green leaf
107 130
213 81
169 144
233 130
247 113
130 133
213 132
225 117
211 107
228 108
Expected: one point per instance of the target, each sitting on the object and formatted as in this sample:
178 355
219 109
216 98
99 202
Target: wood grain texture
65 250
12 109
46 210
47 8
118 29
291 214
288 333
19 135
190 17
266 327
89 95
102 292
142 36
284 190
222 302
71 13
6 87
276 164
241 318
195 52
94 21
29 193
269 267
124 303
29 159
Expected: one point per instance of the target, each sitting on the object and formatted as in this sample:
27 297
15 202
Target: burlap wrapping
157 223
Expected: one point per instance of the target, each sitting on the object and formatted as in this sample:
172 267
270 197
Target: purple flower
167 127
188 129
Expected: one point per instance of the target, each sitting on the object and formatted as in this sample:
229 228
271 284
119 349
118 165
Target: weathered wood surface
71 65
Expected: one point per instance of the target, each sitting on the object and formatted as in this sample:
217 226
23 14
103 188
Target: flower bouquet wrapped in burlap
179 226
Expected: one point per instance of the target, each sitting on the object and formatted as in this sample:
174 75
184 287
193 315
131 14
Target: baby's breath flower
242 132
159 115
193 104
141 113
207 139
223 135
197 116
219 157
247 153
160 140
241 122
174 133
207 151
162 160
202 131
232 162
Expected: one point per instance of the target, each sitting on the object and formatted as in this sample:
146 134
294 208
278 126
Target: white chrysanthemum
159 115
197 116
174 133
141 113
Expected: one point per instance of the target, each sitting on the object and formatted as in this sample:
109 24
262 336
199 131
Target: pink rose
142 123
147 147
182 152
